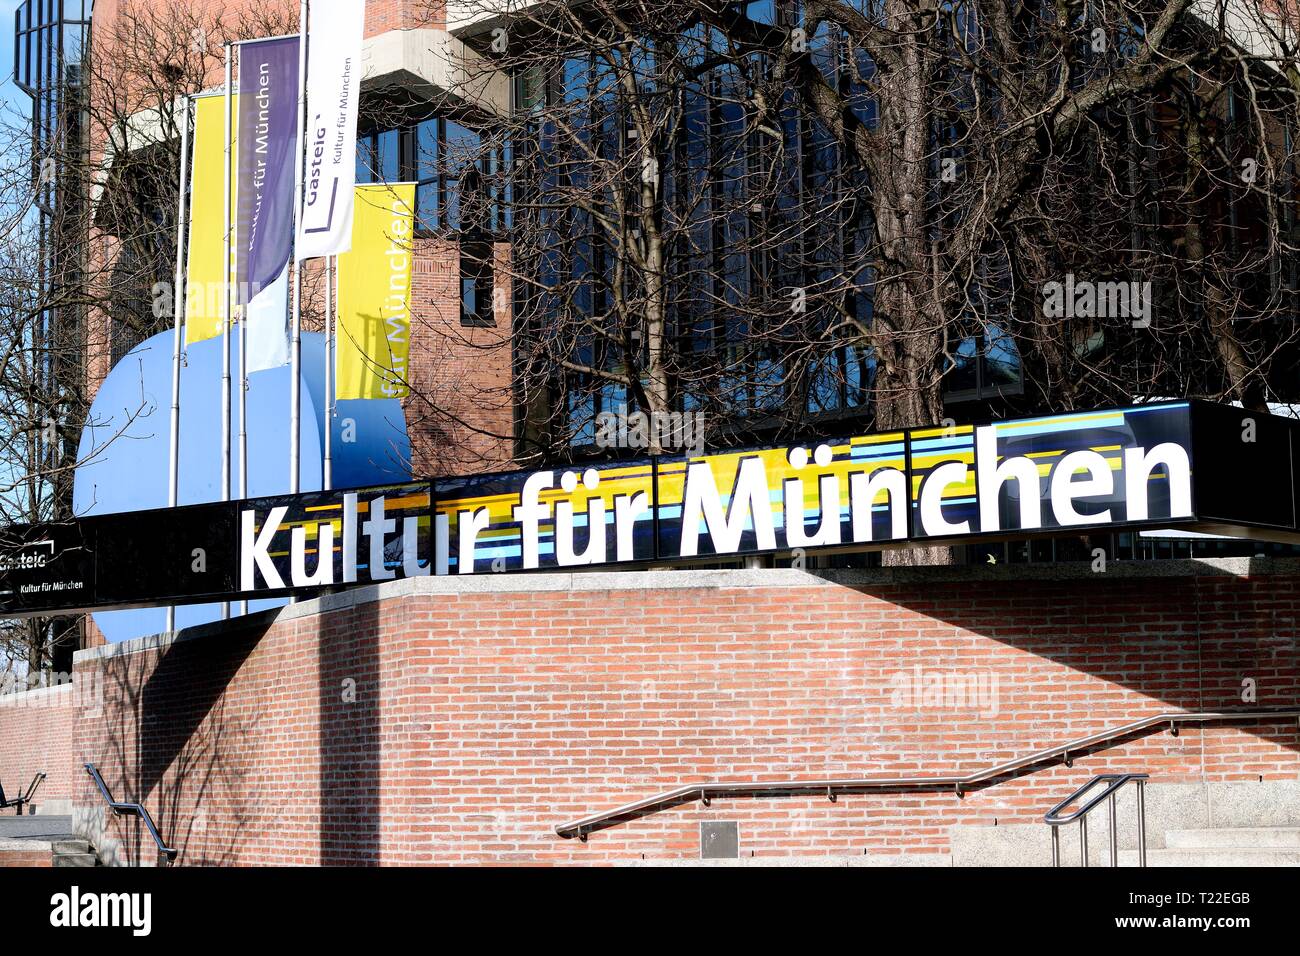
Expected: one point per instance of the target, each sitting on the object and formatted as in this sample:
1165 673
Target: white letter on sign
1065 489
748 499
933 522
257 550
992 476
324 556
1138 465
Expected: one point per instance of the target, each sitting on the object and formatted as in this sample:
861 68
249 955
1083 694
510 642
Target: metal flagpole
225 314
178 321
295 347
242 607
328 474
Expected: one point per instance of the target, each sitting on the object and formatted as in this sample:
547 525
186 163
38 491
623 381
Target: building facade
460 408
651 221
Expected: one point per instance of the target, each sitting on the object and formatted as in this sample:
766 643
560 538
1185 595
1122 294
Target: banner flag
267 336
374 294
333 88
205 273
268 113
268 117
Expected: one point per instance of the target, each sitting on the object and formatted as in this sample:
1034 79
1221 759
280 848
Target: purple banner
268 147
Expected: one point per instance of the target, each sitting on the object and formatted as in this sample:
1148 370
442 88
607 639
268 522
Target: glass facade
459 188
751 279
769 239
49 41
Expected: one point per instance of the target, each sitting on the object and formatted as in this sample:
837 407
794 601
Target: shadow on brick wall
189 731
1211 643
171 724
350 746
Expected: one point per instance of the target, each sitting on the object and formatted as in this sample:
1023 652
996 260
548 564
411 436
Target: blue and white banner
268 149
333 88
267 339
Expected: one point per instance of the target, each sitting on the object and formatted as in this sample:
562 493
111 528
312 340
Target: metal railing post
1142 823
1112 783
1114 832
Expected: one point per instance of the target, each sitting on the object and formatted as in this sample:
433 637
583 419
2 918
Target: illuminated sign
369 535
1191 465
1086 470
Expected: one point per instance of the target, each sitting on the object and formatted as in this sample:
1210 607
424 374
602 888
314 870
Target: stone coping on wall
697 579
51 694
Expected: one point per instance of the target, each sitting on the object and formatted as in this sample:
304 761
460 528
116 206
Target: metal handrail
118 808
23 799
1113 781
1063 753
37 780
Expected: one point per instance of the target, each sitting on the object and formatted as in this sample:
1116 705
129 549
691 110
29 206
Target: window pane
365 159
1002 359
476 284
964 371
426 149
461 145
389 166
451 215
426 205
468 300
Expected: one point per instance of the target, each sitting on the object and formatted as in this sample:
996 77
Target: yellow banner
374 294
205 274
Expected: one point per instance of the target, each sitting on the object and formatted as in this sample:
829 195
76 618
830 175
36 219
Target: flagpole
295 348
328 473
242 606
178 322
243 369
225 312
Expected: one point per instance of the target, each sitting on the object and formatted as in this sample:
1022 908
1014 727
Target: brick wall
40 734
441 720
460 411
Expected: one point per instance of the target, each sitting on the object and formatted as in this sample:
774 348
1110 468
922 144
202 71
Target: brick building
460 411
877 716
433 722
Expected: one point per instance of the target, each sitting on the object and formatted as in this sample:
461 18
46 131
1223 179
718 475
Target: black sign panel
333 538
169 555
47 566
1192 465
1245 465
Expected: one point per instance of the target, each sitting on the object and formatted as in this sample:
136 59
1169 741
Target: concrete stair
72 853
1188 824
43 840
1273 838
1224 846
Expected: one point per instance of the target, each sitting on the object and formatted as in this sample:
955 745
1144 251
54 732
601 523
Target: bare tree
79 286
781 215
683 166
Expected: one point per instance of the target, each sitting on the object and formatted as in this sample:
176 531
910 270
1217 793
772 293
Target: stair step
74 859
70 846
1285 838
1215 856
